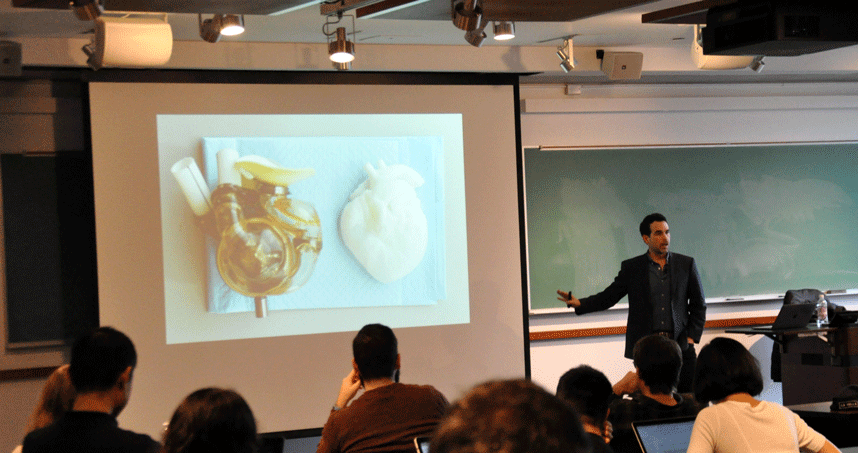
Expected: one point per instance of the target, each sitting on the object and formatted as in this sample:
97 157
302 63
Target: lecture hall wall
600 115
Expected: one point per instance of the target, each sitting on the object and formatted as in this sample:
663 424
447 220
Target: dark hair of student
513 416
375 351
99 358
648 220
725 367
588 390
658 360
211 420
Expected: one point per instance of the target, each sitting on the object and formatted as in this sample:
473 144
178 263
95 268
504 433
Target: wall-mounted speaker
10 59
136 42
622 65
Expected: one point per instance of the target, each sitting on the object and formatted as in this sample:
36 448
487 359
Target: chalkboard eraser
734 299
836 291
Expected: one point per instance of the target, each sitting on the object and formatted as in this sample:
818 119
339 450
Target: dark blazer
686 295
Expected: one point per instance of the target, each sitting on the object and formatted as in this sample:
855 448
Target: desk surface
809 329
824 408
836 426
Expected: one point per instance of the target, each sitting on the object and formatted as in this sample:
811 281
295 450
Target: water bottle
821 311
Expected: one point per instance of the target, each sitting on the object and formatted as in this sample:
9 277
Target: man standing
102 365
388 415
665 296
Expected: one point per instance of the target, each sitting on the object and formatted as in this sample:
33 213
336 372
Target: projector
784 28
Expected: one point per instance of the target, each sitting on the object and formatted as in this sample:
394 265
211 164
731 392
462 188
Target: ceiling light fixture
564 52
220 25
341 50
476 36
504 30
467 15
87 9
757 64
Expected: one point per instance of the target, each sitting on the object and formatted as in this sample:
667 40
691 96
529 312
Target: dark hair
99 358
211 420
658 360
725 367
375 351
588 390
515 416
648 220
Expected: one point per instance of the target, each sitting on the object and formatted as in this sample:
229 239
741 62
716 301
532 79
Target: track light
87 9
341 50
476 36
467 15
757 64
564 52
220 25
504 30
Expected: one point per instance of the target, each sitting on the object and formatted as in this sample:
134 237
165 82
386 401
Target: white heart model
383 223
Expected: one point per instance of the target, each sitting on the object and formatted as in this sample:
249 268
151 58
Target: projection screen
307 211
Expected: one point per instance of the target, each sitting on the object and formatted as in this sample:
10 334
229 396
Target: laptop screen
664 436
421 444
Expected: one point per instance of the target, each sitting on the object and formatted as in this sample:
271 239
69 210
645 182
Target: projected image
274 225
289 219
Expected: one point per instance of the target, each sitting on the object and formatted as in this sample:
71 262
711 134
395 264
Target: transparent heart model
383 224
268 243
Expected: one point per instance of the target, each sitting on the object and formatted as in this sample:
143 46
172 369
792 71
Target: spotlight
341 50
87 9
220 25
467 15
757 64
504 30
564 52
475 37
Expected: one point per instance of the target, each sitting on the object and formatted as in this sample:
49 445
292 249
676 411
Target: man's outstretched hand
567 298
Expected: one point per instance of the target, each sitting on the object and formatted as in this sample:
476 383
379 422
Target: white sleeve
702 435
807 437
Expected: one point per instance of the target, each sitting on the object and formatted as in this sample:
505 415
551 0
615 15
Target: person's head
375 352
725 367
211 420
104 361
56 399
589 391
658 361
514 416
655 233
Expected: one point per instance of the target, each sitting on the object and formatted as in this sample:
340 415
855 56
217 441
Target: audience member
589 391
56 399
650 390
515 416
102 365
211 420
388 415
728 375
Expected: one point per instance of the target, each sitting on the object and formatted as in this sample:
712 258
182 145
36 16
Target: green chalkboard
759 220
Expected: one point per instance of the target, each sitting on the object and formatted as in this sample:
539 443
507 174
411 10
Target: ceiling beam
692 13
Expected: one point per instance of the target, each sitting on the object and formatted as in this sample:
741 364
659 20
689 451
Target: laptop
665 435
421 444
791 316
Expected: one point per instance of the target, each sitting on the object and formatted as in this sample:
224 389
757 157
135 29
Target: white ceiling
620 30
